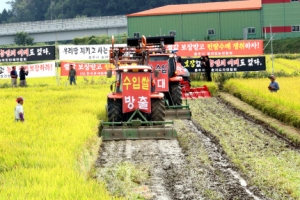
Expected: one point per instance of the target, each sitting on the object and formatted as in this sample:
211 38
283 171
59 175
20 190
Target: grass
197 155
266 161
50 155
127 180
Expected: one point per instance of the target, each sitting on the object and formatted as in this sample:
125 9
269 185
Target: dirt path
195 165
169 178
176 173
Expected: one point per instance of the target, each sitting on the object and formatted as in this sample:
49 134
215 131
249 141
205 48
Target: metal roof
201 7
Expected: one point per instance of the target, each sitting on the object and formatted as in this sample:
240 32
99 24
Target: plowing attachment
194 93
135 129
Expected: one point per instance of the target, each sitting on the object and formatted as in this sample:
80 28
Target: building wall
226 25
280 15
155 25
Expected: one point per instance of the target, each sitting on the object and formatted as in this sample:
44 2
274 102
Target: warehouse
250 19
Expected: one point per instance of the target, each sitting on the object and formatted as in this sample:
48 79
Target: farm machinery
169 80
187 91
135 110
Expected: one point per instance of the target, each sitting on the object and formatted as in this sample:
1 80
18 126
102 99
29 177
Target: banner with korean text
161 82
85 52
236 64
86 69
218 48
34 70
136 91
27 54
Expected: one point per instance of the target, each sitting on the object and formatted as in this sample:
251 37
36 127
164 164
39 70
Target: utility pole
272 56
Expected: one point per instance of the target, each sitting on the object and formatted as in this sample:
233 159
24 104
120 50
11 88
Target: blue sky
4 5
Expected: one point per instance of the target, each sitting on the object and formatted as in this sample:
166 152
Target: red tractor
169 81
135 110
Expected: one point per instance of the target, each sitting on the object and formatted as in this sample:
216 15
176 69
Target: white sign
34 70
85 52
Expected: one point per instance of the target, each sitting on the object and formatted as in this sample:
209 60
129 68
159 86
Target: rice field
49 155
283 105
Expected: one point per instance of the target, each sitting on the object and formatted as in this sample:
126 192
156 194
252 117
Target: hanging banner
236 64
27 54
162 82
218 48
34 70
136 90
86 69
85 52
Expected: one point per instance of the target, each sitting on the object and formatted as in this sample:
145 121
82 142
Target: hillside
64 9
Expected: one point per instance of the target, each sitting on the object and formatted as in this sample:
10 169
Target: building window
172 33
211 32
251 30
295 28
294 0
136 35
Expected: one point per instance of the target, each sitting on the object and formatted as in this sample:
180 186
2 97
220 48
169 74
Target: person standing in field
72 75
23 75
274 86
14 76
207 67
19 111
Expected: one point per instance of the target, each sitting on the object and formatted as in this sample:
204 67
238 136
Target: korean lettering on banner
218 48
87 52
27 54
85 69
136 89
161 82
236 64
193 65
35 70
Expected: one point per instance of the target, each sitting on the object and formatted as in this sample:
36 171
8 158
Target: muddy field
194 166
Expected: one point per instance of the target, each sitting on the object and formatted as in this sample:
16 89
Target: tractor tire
114 110
176 94
158 110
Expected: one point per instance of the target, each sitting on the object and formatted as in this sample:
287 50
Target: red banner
86 69
136 89
162 82
218 48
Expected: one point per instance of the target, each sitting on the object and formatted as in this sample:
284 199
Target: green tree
4 16
23 39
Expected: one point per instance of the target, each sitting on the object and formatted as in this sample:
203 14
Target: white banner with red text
86 69
34 70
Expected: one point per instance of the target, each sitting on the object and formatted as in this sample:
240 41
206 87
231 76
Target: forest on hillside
39 10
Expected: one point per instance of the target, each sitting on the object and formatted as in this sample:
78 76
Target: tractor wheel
114 110
176 94
158 110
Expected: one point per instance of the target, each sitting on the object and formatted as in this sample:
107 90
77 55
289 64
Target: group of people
14 76
19 112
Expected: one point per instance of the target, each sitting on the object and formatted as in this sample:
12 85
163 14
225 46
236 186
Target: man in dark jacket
72 75
206 64
14 76
23 73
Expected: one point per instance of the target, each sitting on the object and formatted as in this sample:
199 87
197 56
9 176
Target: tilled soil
192 167
172 175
